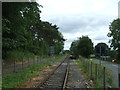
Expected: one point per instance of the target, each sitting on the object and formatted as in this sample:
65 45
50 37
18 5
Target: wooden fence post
91 69
22 63
88 68
14 65
96 73
104 81
87 65
37 59
119 79
28 61
33 59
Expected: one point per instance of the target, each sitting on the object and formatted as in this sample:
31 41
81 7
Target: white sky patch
80 17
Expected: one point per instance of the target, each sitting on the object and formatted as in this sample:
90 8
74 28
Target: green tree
23 31
115 34
101 49
73 47
17 20
113 54
85 46
49 34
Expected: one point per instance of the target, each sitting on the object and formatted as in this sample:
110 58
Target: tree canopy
73 47
115 34
24 31
101 49
83 46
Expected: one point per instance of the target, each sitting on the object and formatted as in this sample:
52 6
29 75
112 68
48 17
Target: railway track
57 79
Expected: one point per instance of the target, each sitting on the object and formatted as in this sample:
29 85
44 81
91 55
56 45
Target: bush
18 54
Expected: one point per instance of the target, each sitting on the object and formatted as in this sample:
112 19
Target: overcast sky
80 17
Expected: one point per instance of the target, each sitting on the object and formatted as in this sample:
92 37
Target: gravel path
76 78
55 81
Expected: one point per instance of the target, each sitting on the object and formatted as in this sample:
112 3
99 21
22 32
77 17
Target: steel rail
40 84
66 76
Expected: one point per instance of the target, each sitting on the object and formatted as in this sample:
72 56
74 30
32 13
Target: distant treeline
24 34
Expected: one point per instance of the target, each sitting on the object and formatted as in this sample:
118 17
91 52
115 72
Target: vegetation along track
58 78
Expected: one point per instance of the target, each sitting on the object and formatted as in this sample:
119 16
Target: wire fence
18 65
101 75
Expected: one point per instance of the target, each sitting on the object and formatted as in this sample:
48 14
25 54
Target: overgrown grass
85 64
15 79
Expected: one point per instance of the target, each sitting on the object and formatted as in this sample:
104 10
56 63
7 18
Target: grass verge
96 74
17 78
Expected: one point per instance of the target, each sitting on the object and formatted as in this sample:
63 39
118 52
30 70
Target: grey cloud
80 23
95 26
101 37
71 40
